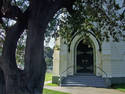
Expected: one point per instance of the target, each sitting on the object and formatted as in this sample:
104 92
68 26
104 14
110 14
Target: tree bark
31 79
35 66
12 74
2 82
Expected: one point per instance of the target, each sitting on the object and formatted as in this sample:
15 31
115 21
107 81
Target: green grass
48 77
120 87
50 84
47 91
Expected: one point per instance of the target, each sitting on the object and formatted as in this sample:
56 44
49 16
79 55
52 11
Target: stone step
89 81
93 81
84 85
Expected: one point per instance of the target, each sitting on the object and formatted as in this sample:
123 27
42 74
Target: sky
51 43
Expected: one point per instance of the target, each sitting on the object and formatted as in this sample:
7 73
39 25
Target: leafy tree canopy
104 18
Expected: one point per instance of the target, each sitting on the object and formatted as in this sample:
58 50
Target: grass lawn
120 87
48 77
47 91
50 84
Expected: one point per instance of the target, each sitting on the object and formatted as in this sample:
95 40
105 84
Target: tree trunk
35 66
12 74
2 82
31 79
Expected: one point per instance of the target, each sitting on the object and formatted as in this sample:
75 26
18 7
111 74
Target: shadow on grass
120 87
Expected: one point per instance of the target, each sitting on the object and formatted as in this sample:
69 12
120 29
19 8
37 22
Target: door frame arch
96 52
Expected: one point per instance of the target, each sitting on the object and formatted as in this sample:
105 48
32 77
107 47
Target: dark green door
84 58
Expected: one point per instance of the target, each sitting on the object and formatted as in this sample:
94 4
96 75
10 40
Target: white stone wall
63 58
106 59
113 58
60 58
56 58
118 59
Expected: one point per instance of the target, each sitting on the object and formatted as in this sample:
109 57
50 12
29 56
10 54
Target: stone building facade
105 60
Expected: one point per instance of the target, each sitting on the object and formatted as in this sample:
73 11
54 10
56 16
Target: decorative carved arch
96 51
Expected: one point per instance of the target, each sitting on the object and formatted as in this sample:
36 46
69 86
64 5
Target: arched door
84 62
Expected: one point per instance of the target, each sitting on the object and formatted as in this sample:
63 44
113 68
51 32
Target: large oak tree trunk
35 66
31 79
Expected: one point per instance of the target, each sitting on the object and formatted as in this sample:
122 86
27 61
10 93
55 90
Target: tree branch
68 4
13 12
5 5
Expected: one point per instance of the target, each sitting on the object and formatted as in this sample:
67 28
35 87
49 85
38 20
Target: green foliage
53 27
103 18
2 38
48 54
20 51
22 4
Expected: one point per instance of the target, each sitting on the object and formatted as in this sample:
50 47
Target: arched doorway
72 61
84 57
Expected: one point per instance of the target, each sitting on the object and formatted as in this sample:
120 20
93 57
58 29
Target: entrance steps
84 81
